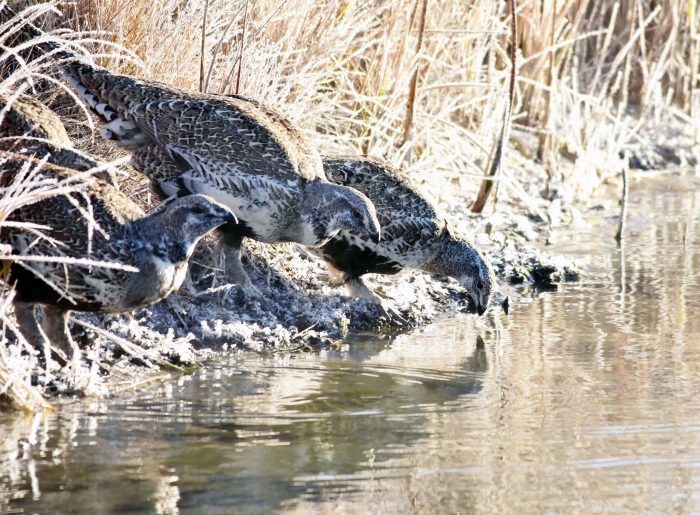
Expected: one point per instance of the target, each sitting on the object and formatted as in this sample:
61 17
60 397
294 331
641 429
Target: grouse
90 219
415 235
245 154
30 128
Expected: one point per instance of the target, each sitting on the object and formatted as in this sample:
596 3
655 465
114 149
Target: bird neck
314 226
162 239
315 192
451 257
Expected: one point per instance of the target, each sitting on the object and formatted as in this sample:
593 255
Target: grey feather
415 233
118 231
245 154
32 129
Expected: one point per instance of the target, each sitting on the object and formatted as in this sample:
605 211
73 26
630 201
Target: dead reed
358 75
18 360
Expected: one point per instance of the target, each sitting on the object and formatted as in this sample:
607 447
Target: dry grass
349 71
28 186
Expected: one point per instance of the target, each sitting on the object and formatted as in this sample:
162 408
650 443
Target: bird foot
359 289
332 278
379 292
249 295
392 315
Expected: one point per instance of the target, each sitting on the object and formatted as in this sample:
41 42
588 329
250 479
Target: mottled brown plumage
30 128
25 116
415 233
248 156
96 222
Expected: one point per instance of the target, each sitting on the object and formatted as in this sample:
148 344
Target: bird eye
479 285
198 210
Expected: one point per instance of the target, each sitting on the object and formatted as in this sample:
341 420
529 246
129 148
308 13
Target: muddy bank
302 311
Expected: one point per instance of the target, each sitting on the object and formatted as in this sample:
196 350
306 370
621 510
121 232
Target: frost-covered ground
301 310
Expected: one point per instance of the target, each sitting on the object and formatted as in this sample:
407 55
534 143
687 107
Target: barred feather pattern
30 128
244 154
92 222
26 116
415 233
413 228
97 222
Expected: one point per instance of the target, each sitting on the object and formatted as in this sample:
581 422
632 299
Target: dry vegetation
419 82
591 73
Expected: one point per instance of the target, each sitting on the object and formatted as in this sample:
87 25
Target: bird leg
336 277
25 313
358 288
56 326
231 242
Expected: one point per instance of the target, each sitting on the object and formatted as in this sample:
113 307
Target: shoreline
303 311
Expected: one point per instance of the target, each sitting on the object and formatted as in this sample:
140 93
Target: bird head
477 283
350 210
194 216
463 262
330 208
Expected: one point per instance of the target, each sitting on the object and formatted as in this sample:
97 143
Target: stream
583 399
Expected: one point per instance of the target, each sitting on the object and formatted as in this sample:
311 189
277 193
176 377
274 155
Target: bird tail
109 96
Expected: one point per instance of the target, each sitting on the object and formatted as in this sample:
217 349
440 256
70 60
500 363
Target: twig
545 137
252 38
204 40
408 121
133 350
240 56
72 261
495 164
215 53
623 205
693 67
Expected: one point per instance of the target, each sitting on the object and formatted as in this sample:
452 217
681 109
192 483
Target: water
581 400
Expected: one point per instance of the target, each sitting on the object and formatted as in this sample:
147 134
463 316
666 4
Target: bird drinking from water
415 234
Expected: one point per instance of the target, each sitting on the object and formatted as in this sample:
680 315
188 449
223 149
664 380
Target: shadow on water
584 400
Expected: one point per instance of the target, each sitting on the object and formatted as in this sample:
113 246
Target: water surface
580 400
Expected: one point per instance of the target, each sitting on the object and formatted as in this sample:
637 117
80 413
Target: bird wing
26 116
83 224
225 128
410 221
229 131
405 212
264 203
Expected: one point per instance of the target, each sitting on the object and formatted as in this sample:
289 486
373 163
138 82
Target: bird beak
479 308
375 236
